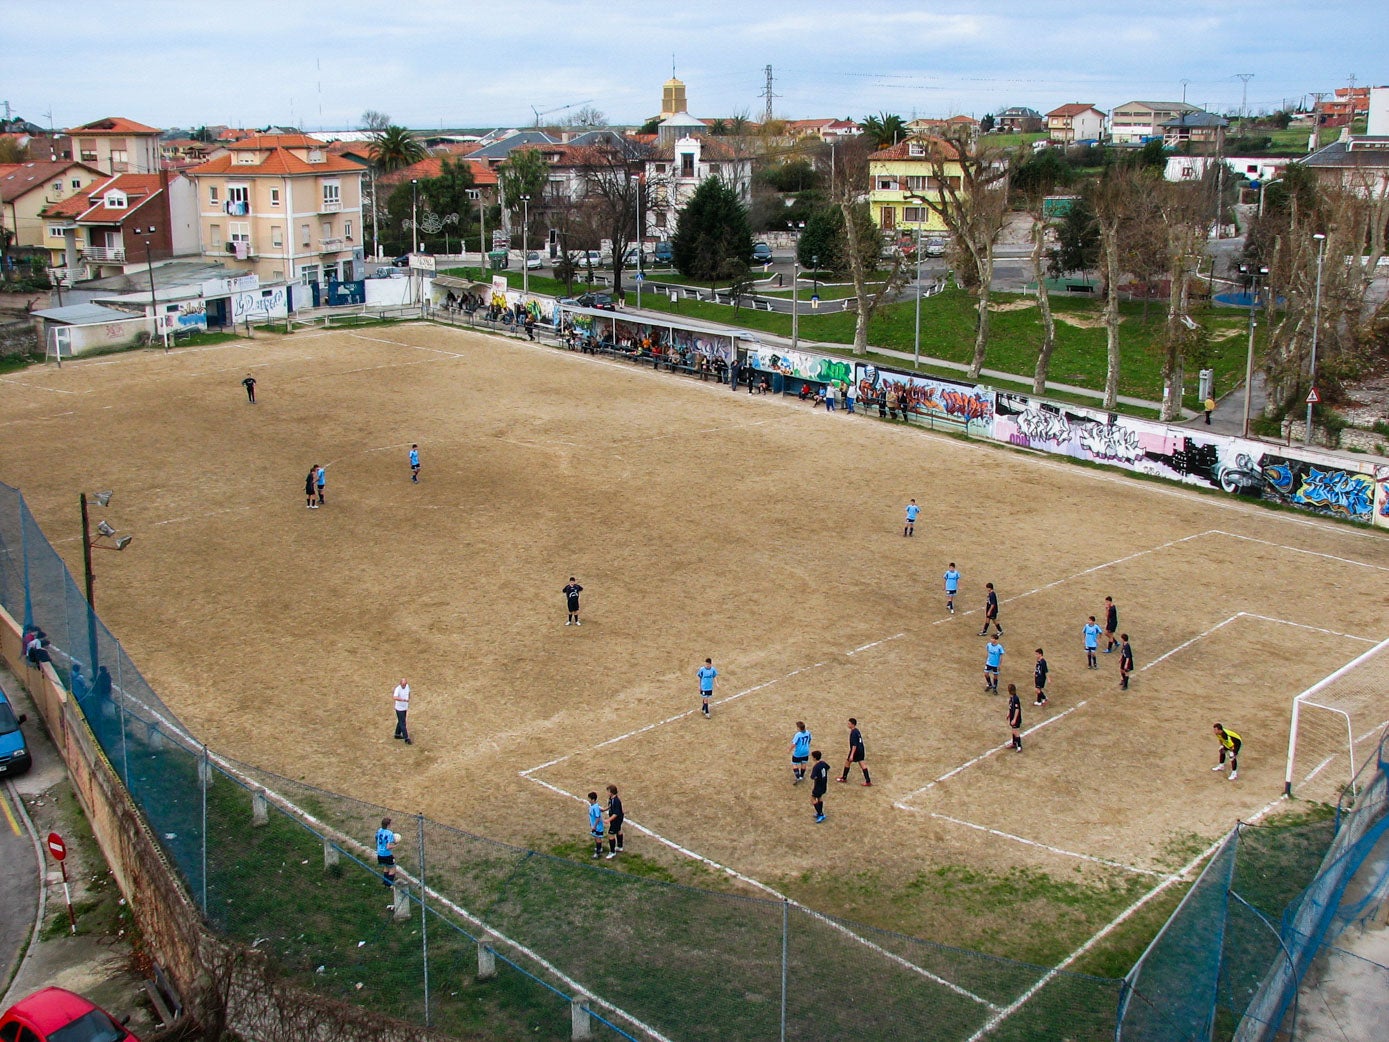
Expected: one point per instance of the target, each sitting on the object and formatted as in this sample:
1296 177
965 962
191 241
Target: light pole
916 341
154 302
1316 322
795 307
119 542
525 245
1253 274
476 193
414 220
1263 187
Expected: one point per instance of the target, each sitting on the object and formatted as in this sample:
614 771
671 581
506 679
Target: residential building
1357 163
121 221
281 206
26 188
1075 123
675 168
1135 122
903 176
1201 131
1345 106
116 145
1378 122
1242 168
951 127
1018 119
824 129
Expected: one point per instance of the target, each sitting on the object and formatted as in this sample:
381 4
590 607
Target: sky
461 63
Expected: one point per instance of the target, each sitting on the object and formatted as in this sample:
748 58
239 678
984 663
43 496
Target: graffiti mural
1323 489
939 402
341 293
1382 495
800 365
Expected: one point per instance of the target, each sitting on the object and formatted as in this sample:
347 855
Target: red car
56 1015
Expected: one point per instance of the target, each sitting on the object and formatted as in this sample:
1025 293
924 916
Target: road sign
56 846
640 277
1313 397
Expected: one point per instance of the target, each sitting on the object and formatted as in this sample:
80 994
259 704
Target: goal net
1335 724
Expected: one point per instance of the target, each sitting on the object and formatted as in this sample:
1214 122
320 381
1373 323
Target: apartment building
116 145
1135 122
282 207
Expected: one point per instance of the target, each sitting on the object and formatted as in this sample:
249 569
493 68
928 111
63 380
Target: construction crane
563 108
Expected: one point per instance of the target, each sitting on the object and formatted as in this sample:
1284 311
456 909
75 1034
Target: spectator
806 392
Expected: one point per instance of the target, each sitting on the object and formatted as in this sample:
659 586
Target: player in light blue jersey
415 463
595 824
952 587
993 656
706 675
913 512
800 752
1092 631
385 851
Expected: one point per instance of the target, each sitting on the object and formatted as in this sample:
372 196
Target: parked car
934 247
601 301
761 253
664 253
14 753
533 260
403 261
57 1015
591 260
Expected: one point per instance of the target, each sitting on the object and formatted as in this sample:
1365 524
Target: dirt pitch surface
756 531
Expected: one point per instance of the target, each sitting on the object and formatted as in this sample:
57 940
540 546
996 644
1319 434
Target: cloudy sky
461 63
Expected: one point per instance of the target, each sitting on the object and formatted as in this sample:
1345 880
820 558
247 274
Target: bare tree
970 196
1184 210
375 121
863 240
612 193
1113 198
586 116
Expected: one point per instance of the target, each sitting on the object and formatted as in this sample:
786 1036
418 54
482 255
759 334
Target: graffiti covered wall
800 365
940 403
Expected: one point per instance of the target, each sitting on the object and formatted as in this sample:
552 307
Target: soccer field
755 531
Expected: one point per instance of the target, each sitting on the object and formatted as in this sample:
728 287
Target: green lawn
947 332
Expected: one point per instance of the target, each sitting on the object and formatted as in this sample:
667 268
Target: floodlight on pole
525 244
1316 323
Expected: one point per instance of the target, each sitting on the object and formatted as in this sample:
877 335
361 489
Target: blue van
664 253
14 754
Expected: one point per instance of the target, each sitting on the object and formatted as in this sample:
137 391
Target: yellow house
901 179
283 207
27 188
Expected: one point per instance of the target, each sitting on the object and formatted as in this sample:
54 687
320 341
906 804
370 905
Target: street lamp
916 341
1316 322
1253 274
414 219
1263 187
795 305
525 245
154 302
476 193
815 284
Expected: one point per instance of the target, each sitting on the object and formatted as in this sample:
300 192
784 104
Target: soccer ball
395 837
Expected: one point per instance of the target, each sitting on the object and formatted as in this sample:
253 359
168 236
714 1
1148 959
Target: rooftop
113 125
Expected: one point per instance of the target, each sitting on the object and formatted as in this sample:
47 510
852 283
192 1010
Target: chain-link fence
1227 965
478 936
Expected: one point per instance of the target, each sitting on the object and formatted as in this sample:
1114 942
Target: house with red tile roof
281 206
120 222
116 145
902 177
26 188
1073 123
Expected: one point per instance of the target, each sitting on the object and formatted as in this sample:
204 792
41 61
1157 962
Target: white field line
1304 626
1187 643
33 419
1318 769
1113 924
1373 732
38 387
901 803
1299 550
1047 846
875 643
778 895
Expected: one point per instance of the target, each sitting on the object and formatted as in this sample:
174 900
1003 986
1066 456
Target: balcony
330 206
104 254
329 245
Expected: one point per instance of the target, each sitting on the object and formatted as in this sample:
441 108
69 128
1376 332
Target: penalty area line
1047 846
1046 978
778 895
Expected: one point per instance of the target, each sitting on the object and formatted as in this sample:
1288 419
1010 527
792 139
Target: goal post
1331 717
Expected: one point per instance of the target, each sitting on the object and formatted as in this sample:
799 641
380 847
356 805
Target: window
119 160
913 215
660 168
325 230
274 197
86 149
332 197
114 200
212 194
238 200
304 236
277 236
240 231
887 184
76 184
714 169
214 232
347 230
687 164
916 148
916 184
55 231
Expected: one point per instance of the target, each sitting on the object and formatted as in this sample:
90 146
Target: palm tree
394 147
884 129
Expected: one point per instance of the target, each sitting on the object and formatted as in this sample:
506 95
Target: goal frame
1308 698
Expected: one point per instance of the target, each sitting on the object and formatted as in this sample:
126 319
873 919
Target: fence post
580 1023
400 911
330 855
260 809
486 957
205 777
785 923
424 918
